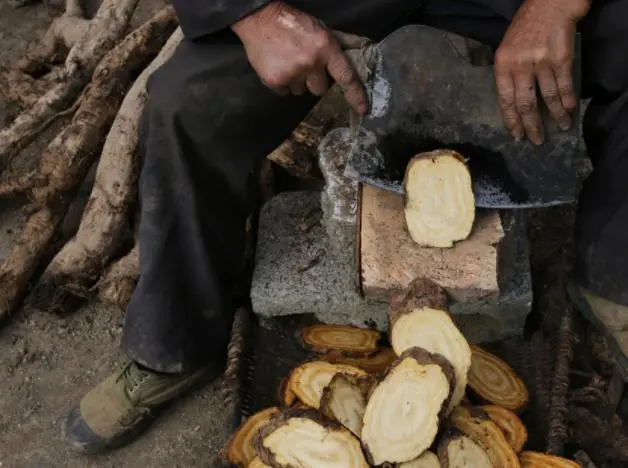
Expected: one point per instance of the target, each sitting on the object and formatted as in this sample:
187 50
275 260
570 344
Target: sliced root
104 31
103 224
478 427
240 450
375 364
419 318
531 459
285 395
349 341
510 424
65 162
305 438
427 460
119 280
344 400
494 381
456 450
257 463
19 87
309 380
404 411
439 202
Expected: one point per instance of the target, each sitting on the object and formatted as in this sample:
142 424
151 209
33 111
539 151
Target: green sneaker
608 317
122 406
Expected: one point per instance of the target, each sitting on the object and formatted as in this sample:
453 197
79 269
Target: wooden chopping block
388 260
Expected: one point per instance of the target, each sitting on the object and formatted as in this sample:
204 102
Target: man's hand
293 52
538 47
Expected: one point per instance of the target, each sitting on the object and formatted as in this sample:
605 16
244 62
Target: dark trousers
209 121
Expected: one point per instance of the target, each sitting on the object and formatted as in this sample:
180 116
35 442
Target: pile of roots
430 399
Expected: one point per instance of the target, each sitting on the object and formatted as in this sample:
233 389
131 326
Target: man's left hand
538 48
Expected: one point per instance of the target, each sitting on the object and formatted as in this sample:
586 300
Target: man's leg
208 122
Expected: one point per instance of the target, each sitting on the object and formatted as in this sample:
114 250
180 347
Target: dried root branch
419 318
17 86
405 409
537 460
348 341
439 201
494 381
427 460
514 430
82 259
309 380
66 160
456 450
118 282
344 400
104 30
480 429
240 450
375 364
305 438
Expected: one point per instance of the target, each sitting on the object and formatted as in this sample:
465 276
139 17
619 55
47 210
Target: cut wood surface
494 381
306 438
285 394
427 460
439 206
510 424
390 260
478 427
82 259
404 411
258 463
344 400
531 459
419 318
459 451
349 341
374 364
240 450
308 381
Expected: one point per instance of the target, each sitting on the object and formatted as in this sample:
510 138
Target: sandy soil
48 362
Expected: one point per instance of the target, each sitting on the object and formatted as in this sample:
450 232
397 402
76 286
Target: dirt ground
48 362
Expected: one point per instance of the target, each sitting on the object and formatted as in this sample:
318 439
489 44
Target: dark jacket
201 17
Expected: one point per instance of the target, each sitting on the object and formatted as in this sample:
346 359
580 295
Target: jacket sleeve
201 17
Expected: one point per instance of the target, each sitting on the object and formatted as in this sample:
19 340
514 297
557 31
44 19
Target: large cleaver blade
425 94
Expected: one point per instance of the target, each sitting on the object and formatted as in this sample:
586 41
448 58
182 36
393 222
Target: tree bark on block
389 260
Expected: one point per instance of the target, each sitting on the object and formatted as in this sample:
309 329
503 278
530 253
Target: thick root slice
119 280
309 380
285 395
494 381
304 438
510 424
344 400
404 411
531 459
375 364
258 463
439 202
478 427
427 460
459 451
349 341
104 31
81 260
240 450
419 318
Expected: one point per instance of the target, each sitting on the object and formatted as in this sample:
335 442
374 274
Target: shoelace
132 375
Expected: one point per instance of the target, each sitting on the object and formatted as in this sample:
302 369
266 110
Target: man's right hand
292 52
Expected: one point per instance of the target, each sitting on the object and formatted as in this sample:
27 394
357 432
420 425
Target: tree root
107 27
17 86
67 158
81 261
118 282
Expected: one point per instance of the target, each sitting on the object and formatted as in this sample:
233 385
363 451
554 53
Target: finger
350 41
317 82
564 81
343 73
551 96
297 87
526 99
507 104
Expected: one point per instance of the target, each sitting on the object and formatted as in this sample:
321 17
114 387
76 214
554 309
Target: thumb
350 41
